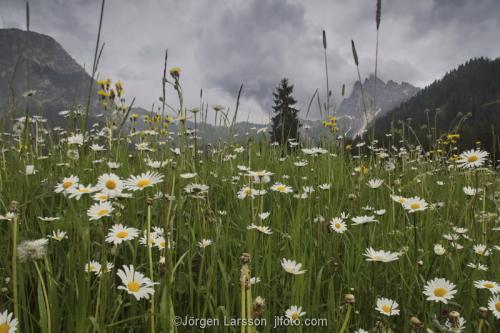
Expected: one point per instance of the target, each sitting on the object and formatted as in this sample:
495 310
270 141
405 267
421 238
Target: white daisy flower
78 192
76 139
470 191
247 192
8 217
325 187
110 184
294 313
338 225
478 266
255 280
282 188
114 165
398 198
119 233
439 249
382 256
139 183
439 290
66 184
387 307
261 176
135 283
481 250
98 210
48 218
264 215
100 196
188 175
196 190
58 235
494 305
8 324
92 267
358 220
457 326
262 229
492 286
292 267
375 183
472 159
30 170
97 147
204 243
156 164
415 204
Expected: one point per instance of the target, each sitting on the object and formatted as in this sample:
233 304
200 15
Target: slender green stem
243 305
346 319
480 326
415 237
249 304
14 267
151 276
45 297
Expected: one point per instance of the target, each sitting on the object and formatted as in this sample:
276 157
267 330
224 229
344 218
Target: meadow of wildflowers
124 230
136 224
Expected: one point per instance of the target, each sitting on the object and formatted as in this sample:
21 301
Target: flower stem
415 244
14 267
45 296
480 325
346 319
150 260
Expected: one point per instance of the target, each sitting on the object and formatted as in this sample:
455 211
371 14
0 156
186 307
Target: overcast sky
220 44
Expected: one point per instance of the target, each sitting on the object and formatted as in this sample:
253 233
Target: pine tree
285 123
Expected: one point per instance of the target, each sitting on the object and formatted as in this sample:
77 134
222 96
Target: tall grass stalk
356 62
94 68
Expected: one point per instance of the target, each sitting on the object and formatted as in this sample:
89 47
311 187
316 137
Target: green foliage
463 101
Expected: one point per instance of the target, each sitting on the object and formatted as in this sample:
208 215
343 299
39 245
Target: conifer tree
285 123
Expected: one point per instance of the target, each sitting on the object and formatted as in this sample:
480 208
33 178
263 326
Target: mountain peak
389 95
58 79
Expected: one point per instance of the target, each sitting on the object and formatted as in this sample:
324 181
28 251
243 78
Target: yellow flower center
4 328
386 308
280 188
295 316
110 184
84 190
102 212
497 306
489 285
122 234
133 286
248 191
337 225
415 205
472 158
67 184
143 182
440 292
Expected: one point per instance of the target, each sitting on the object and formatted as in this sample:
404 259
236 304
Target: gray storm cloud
222 44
